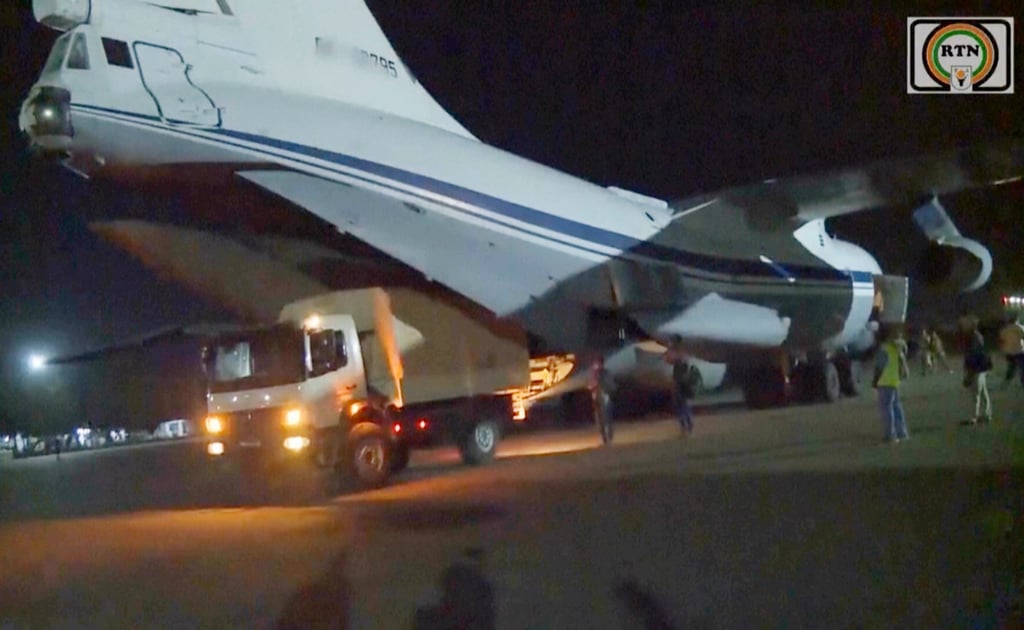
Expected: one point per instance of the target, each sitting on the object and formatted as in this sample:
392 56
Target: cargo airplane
309 101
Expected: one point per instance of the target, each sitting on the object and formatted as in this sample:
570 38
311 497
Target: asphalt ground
797 517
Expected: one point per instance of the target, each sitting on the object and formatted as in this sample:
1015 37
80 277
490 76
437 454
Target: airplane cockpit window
78 59
56 58
117 53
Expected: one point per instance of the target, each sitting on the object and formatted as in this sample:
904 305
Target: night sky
667 103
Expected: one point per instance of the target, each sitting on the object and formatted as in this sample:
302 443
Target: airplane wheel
851 376
766 387
478 445
829 375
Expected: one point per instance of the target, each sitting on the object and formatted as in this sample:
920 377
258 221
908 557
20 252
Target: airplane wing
904 182
146 340
783 204
437 249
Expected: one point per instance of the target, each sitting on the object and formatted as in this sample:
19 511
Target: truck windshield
261 359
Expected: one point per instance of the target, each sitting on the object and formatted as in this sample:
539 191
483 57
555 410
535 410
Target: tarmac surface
796 517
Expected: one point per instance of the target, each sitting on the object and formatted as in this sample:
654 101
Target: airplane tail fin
336 49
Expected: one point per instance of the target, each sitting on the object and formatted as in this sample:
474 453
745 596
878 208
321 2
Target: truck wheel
368 455
478 445
399 455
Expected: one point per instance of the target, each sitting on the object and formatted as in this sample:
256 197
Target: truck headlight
293 418
296 443
214 425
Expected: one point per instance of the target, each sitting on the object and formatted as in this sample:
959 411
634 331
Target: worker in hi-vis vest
890 370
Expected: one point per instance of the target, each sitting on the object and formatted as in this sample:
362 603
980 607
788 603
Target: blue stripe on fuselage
514 211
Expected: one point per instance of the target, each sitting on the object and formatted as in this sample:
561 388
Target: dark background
664 102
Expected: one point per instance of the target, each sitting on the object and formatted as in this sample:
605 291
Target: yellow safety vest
891 373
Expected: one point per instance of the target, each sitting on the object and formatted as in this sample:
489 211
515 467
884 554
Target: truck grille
258 427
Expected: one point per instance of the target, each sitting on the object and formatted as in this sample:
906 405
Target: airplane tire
830 386
851 376
478 444
766 387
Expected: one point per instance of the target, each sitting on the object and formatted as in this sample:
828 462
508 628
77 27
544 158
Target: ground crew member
890 370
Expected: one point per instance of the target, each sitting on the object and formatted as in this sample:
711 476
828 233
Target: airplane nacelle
62 15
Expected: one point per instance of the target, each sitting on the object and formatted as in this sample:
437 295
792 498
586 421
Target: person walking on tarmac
601 387
890 370
977 365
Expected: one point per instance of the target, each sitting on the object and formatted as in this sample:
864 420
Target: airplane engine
963 266
62 15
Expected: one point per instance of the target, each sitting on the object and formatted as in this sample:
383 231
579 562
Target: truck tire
399 456
368 455
478 445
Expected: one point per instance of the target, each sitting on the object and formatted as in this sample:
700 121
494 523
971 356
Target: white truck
350 380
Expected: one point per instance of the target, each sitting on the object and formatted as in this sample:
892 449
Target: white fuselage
209 91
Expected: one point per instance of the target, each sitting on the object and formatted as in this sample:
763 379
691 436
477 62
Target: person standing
601 387
683 384
977 364
890 370
1011 344
927 356
939 352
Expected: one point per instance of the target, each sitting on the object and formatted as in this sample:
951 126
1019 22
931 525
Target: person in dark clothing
684 380
601 387
977 365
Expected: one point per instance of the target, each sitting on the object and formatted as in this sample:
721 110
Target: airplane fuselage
196 90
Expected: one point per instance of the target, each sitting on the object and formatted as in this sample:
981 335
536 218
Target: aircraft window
79 57
117 53
56 59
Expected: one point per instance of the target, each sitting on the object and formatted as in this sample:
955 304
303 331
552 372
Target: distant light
422 424
36 362
397 428
1008 180
312 322
215 448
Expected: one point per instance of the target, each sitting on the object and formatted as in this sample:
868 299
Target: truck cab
288 390
352 380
